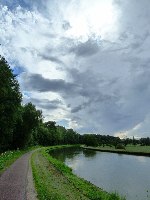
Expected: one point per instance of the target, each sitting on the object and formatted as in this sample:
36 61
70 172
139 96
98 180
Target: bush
120 146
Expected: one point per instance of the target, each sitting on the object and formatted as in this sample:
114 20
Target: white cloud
93 57
142 129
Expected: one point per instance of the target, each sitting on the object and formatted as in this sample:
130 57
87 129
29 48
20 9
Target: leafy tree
27 122
120 146
61 132
134 141
90 140
127 141
43 135
72 137
51 125
10 101
145 141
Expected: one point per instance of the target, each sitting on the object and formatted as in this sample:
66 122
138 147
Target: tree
61 132
44 136
10 101
127 141
72 137
90 140
28 120
145 141
51 125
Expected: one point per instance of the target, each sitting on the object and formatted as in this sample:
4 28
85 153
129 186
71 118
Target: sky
84 63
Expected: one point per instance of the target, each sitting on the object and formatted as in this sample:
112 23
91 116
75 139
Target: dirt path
16 182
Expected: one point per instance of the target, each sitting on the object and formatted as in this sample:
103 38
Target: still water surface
126 174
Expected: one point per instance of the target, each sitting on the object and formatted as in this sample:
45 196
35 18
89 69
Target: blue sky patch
12 4
63 122
18 70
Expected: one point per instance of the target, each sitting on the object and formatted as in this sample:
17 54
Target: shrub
120 146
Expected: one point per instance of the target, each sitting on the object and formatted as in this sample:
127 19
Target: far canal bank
129 150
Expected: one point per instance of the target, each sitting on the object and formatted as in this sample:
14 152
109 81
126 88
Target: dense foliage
22 125
10 101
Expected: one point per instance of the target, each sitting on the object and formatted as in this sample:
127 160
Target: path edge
31 193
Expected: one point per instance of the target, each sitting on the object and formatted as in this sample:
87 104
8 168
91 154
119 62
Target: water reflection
65 153
89 153
142 159
126 174
75 164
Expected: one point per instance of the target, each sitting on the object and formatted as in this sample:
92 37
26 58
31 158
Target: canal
127 175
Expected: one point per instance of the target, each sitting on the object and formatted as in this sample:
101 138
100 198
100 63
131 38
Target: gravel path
16 183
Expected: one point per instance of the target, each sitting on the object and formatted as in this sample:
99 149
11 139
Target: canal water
128 175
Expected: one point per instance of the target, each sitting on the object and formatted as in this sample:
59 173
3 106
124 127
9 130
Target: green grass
55 180
8 157
129 149
138 148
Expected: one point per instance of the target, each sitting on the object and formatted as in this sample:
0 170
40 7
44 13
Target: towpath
16 183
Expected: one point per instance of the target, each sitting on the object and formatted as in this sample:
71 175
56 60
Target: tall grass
8 157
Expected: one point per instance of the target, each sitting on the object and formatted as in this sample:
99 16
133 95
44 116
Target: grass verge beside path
8 157
129 149
54 180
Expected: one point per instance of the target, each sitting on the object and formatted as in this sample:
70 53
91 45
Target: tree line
23 125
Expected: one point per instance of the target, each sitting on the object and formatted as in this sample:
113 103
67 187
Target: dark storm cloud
38 83
76 109
88 80
87 48
80 107
116 108
46 104
97 99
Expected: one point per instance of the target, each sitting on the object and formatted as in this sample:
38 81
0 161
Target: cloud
51 58
66 25
46 104
87 48
78 64
38 83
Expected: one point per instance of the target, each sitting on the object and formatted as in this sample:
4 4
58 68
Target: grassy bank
54 180
129 149
8 157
